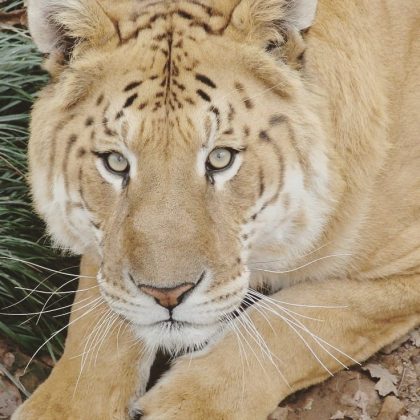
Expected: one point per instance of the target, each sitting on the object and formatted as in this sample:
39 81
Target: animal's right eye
220 159
116 163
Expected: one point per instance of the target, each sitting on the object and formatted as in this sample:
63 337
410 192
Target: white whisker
44 312
45 268
33 290
300 267
43 292
290 324
297 258
85 353
73 310
55 334
260 295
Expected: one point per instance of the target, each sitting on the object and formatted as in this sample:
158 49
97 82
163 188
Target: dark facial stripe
194 19
232 113
280 159
261 179
53 150
204 79
100 99
132 85
248 103
130 100
81 152
303 159
185 15
203 95
263 135
67 156
81 191
107 130
216 112
279 155
277 119
89 121
209 10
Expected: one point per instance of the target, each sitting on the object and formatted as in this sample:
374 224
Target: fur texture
320 205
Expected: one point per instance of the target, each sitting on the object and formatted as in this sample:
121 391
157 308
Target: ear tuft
58 25
301 13
263 20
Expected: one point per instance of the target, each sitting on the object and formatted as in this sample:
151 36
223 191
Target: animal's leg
104 387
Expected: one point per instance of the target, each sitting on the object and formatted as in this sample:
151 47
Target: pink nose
168 297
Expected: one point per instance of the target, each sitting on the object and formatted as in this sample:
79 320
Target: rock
8 360
10 398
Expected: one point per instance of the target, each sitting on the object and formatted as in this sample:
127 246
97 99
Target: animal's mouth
176 325
173 324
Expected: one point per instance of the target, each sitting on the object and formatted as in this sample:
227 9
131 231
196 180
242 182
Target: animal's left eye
115 162
220 159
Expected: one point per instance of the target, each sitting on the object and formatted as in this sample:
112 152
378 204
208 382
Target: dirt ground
386 387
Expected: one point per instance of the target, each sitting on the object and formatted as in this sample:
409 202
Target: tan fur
354 102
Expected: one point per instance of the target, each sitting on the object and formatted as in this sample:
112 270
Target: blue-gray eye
117 163
220 159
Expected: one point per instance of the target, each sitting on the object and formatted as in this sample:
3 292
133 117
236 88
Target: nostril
168 297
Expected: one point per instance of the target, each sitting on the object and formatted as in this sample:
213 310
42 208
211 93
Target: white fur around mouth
178 337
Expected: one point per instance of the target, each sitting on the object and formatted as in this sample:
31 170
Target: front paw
185 392
216 385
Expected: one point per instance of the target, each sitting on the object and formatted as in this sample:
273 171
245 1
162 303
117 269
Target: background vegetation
22 240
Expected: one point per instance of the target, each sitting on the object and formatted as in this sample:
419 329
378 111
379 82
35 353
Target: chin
177 337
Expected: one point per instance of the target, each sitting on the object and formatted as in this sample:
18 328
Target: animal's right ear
58 26
264 20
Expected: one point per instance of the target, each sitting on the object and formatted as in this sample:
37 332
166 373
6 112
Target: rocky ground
386 387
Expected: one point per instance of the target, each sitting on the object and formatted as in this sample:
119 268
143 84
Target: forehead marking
232 113
89 121
132 85
129 101
203 95
52 153
107 130
69 146
216 112
100 99
204 79
206 22
245 98
277 119
81 152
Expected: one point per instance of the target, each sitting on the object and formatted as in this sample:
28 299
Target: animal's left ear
274 24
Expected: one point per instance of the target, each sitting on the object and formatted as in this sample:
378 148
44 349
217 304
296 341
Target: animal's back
367 56
394 218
